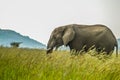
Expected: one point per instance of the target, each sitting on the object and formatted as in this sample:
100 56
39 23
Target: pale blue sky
37 18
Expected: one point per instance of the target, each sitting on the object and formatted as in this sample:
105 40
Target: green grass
33 64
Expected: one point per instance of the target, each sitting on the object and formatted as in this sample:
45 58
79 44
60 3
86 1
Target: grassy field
33 64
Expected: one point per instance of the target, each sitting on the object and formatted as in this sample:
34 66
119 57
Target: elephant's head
60 36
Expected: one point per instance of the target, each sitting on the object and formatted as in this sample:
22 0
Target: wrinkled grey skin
77 36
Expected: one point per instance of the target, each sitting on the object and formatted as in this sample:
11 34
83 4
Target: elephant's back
91 28
93 33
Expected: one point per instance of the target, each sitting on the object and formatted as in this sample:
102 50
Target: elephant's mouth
49 50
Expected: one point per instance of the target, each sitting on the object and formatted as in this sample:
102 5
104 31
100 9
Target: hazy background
37 18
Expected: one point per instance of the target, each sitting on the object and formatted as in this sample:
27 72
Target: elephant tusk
48 49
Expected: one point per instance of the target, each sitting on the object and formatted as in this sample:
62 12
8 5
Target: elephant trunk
50 46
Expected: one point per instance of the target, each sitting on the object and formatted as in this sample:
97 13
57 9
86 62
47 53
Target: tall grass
33 64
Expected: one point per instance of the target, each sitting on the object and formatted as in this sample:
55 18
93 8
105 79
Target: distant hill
118 43
8 36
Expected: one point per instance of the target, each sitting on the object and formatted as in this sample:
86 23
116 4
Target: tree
15 44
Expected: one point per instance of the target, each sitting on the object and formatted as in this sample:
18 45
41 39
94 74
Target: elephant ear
68 35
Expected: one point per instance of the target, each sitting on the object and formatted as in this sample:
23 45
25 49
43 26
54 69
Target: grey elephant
77 36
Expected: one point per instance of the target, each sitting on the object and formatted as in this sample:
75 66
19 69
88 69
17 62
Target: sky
38 18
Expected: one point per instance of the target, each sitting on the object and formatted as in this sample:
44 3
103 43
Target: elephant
77 36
